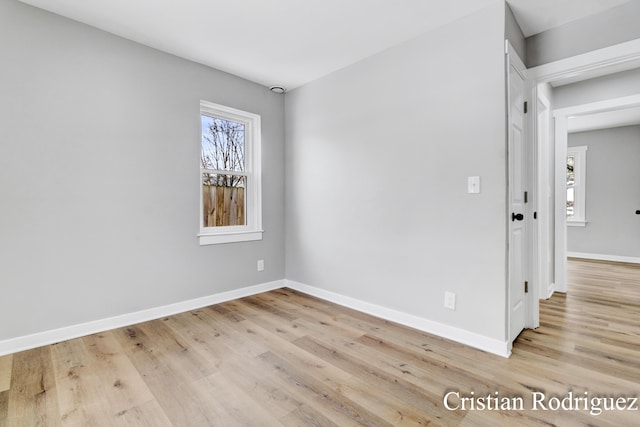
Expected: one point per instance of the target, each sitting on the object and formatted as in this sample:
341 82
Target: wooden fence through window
223 206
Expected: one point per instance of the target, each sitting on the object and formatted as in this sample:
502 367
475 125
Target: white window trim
253 145
579 153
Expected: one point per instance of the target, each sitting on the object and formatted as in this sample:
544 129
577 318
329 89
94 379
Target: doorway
550 195
561 118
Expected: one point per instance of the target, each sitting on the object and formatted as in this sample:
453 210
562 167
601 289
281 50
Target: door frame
609 60
542 240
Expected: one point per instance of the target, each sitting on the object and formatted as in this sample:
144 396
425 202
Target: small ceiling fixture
278 89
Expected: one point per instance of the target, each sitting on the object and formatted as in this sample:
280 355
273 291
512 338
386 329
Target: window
576 183
230 188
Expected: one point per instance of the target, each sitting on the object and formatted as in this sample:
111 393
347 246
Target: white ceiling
604 120
536 16
284 42
292 42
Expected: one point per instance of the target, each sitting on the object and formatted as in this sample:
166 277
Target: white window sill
572 223
229 237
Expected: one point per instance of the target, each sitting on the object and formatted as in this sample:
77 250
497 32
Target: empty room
319 213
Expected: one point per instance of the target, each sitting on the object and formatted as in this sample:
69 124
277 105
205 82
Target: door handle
517 217
638 212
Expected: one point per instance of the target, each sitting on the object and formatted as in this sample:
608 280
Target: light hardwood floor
284 358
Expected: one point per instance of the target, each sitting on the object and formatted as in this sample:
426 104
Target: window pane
222 144
571 173
223 200
570 202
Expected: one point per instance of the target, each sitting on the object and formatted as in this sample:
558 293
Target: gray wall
378 156
598 89
617 25
612 196
99 146
513 33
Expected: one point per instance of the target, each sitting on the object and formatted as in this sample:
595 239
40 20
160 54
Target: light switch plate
473 185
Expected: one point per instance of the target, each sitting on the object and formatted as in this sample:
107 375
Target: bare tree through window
222 161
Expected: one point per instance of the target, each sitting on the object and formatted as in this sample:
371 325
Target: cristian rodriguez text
594 404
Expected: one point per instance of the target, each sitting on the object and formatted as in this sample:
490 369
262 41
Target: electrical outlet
450 300
260 265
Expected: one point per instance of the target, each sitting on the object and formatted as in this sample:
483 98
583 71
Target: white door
517 186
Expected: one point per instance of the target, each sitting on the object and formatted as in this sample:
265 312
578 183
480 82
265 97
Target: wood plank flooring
286 359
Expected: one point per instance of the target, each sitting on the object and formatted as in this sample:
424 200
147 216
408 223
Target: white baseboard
500 348
14 345
601 257
550 290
